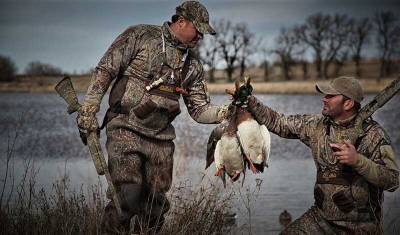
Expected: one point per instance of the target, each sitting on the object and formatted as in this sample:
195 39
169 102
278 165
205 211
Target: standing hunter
350 178
152 67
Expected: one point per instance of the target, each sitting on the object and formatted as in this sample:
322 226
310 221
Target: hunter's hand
87 123
252 104
223 112
86 119
346 153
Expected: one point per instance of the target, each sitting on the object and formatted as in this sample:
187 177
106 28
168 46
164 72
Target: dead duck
239 139
224 149
255 139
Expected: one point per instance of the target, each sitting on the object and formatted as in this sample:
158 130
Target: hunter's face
189 33
333 106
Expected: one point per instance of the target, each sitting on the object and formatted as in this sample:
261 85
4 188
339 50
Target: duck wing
215 136
219 163
267 143
232 156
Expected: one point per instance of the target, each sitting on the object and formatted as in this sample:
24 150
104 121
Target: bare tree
336 41
229 44
301 49
360 31
304 68
388 38
339 61
249 47
7 69
209 55
313 33
37 68
285 50
264 63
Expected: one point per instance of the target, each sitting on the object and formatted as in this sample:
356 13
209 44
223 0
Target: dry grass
198 211
275 84
42 84
65 211
274 87
61 211
26 208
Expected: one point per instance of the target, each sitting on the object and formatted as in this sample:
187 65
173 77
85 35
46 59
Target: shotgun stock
66 90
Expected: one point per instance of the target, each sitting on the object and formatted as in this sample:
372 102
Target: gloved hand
87 121
222 112
252 102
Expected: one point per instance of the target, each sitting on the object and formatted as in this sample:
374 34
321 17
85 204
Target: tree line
8 69
325 40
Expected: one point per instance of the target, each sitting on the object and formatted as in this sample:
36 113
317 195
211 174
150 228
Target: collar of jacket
171 39
341 123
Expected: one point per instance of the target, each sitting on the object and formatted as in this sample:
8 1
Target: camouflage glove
222 112
87 121
87 118
252 103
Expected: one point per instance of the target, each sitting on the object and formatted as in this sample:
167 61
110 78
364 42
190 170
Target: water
47 139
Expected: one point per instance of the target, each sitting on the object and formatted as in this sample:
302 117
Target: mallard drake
224 149
255 140
239 139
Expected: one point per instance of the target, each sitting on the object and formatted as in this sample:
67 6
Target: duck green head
242 93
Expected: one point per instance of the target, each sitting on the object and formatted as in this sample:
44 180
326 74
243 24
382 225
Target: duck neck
242 115
232 124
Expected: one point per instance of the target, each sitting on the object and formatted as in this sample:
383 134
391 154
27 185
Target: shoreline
35 85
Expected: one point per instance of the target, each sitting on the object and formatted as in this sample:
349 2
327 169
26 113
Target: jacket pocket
319 197
142 111
134 93
344 202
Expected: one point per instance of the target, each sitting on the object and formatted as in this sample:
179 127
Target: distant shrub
37 68
7 69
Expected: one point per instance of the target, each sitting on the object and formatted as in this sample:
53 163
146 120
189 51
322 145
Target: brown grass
65 211
47 84
275 84
27 209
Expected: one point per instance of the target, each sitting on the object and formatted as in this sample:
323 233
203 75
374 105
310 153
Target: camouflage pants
312 222
141 169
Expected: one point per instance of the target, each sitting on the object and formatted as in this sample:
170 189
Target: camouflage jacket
342 193
138 57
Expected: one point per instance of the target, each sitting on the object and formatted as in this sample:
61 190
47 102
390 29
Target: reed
25 208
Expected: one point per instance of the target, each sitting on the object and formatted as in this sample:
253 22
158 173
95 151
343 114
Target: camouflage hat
197 14
347 86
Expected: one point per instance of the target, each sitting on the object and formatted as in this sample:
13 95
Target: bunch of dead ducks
239 142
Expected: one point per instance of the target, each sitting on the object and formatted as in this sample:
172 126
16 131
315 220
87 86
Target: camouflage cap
197 14
347 86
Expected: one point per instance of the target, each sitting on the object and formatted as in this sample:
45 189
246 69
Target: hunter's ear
348 104
181 21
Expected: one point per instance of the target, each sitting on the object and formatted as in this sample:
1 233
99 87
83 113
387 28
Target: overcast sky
74 34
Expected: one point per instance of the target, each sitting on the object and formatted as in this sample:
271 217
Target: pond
46 138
